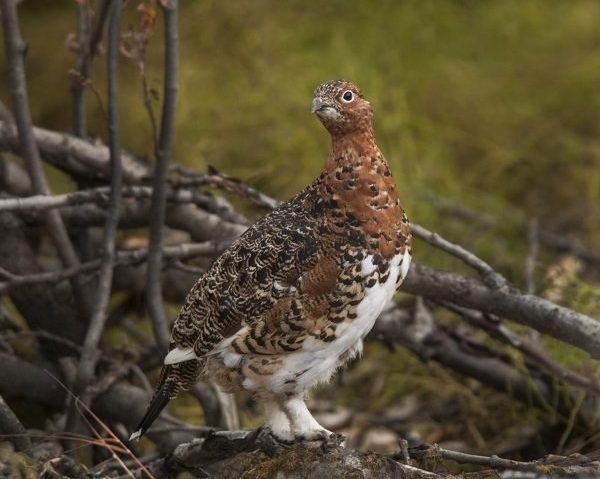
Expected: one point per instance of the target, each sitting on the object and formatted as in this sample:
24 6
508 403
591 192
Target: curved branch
542 315
490 277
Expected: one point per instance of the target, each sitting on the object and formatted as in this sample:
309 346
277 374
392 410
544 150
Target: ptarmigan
292 299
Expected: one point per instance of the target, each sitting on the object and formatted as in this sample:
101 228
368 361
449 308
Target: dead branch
154 301
100 196
551 466
77 157
9 280
494 462
81 68
544 316
533 352
12 429
43 307
22 379
13 179
121 403
429 340
15 50
96 36
90 353
489 276
222 181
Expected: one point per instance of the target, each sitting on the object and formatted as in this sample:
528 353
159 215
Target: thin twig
99 195
181 251
489 276
81 69
96 36
96 325
112 443
494 326
227 183
79 78
545 316
15 50
90 353
494 462
154 289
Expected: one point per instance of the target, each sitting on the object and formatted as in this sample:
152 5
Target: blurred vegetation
491 105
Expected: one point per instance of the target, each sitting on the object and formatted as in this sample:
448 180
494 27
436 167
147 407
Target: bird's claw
329 440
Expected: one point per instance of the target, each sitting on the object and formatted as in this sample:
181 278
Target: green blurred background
490 105
493 105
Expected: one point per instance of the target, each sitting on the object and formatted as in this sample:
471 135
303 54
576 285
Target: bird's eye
348 96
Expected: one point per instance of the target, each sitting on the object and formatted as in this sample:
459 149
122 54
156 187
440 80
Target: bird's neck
358 143
357 182
355 153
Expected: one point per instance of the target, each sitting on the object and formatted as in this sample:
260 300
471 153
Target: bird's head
341 107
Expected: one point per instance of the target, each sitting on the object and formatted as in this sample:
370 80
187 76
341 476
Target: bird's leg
304 425
277 421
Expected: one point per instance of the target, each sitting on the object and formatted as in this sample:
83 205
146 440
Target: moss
14 464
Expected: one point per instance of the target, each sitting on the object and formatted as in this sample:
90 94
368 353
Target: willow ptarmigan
292 299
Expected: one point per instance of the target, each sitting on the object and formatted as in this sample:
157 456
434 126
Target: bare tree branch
43 307
159 181
220 180
77 156
96 36
494 326
81 67
15 51
13 179
22 379
11 428
423 336
490 277
100 195
494 462
576 465
542 315
9 280
121 403
90 353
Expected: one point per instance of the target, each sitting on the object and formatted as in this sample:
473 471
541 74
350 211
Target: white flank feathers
317 361
178 355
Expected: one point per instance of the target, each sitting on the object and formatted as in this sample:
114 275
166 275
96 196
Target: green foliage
493 105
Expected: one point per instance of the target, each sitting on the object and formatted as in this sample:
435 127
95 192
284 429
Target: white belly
317 361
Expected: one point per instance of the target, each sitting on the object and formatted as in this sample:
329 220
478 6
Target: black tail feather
158 403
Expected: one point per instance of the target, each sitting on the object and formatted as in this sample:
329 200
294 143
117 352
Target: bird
291 300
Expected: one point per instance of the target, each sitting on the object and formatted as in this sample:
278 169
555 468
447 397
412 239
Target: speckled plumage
293 297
